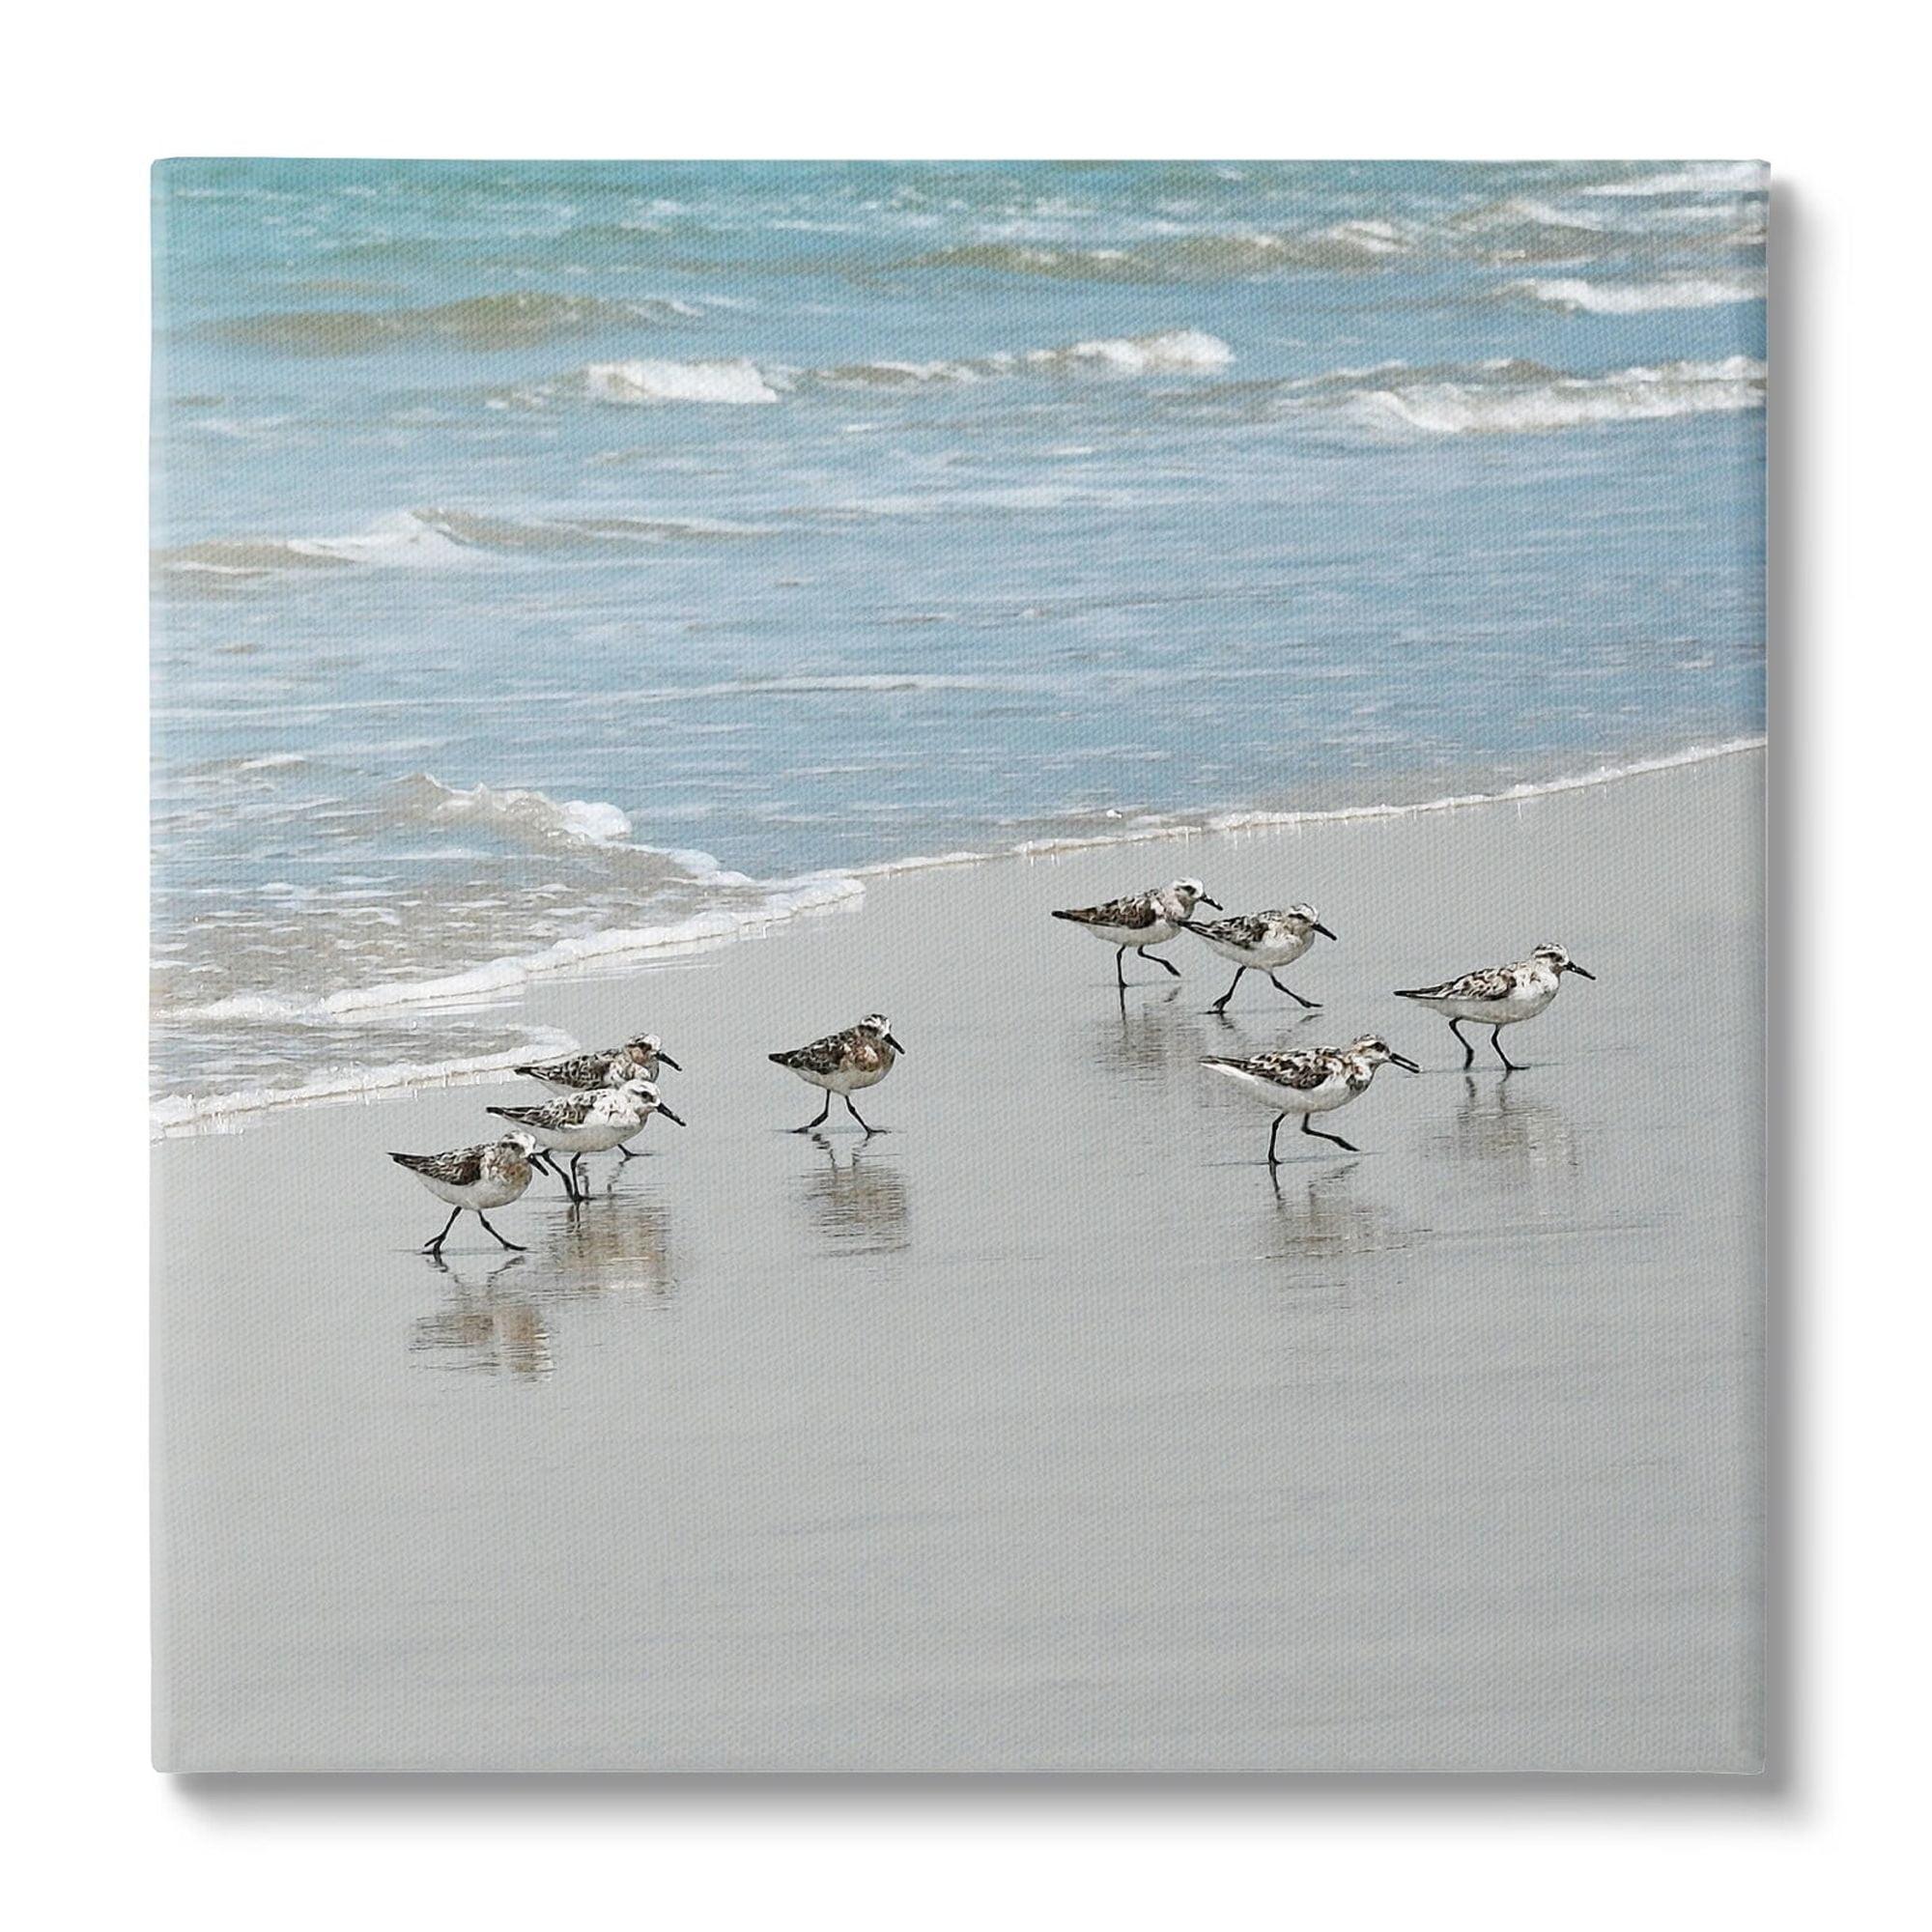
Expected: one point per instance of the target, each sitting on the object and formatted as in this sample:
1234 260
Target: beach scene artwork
675 1250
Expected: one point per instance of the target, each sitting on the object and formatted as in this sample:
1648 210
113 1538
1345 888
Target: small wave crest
1528 229
1573 294
429 537
532 816
1363 244
736 382
1172 350
532 820
1513 396
1699 177
747 912
405 541
480 322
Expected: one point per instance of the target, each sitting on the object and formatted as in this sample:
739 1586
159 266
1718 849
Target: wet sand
1047 1430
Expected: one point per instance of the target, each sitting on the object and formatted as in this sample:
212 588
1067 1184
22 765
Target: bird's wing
581 1070
821 1056
1487 982
1248 929
567 1109
1136 910
1302 1070
461 1167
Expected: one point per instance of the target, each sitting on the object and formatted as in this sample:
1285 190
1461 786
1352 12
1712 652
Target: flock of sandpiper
603 1100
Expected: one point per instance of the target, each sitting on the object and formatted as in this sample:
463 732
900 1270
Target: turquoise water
551 556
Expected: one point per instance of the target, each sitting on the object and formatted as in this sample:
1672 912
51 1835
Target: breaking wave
1173 350
654 382
709 926
405 540
416 538
1698 177
1573 294
1514 396
1531 229
355 973
527 814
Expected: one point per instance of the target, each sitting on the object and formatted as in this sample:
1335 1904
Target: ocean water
552 561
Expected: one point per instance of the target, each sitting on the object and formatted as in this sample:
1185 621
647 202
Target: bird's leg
1120 966
624 1152
856 1115
1273 1158
1308 1006
1158 960
822 1112
1496 1041
1220 1005
513 1246
580 1188
435 1247
1313 1132
1461 1040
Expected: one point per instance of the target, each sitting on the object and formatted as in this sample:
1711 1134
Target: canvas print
956 966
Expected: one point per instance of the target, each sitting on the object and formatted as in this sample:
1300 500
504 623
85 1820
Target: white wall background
1833 98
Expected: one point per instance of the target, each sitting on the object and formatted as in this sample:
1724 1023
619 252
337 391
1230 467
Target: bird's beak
676 1120
1215 904
1402 1061
1322 930
665 1059
1585 970
893 1045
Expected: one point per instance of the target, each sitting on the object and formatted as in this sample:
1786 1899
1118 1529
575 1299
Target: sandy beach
1047 1430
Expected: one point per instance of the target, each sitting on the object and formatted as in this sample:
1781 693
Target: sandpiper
1498 996
844 1063
638 1059
593 1120
1141 920
1313 1081
475 1178
1261 942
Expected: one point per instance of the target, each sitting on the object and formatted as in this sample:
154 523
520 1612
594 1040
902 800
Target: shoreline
1049 1429
599 956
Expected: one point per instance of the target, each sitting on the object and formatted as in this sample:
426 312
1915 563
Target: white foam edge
720 925
183 1113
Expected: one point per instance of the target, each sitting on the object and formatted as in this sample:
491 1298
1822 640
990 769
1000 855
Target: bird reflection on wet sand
486 1327
1276 1026
500 1321
1497 1121
1147 1038
613 1245
860 1203
1318 1221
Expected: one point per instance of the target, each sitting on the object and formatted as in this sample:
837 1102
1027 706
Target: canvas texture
957 966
